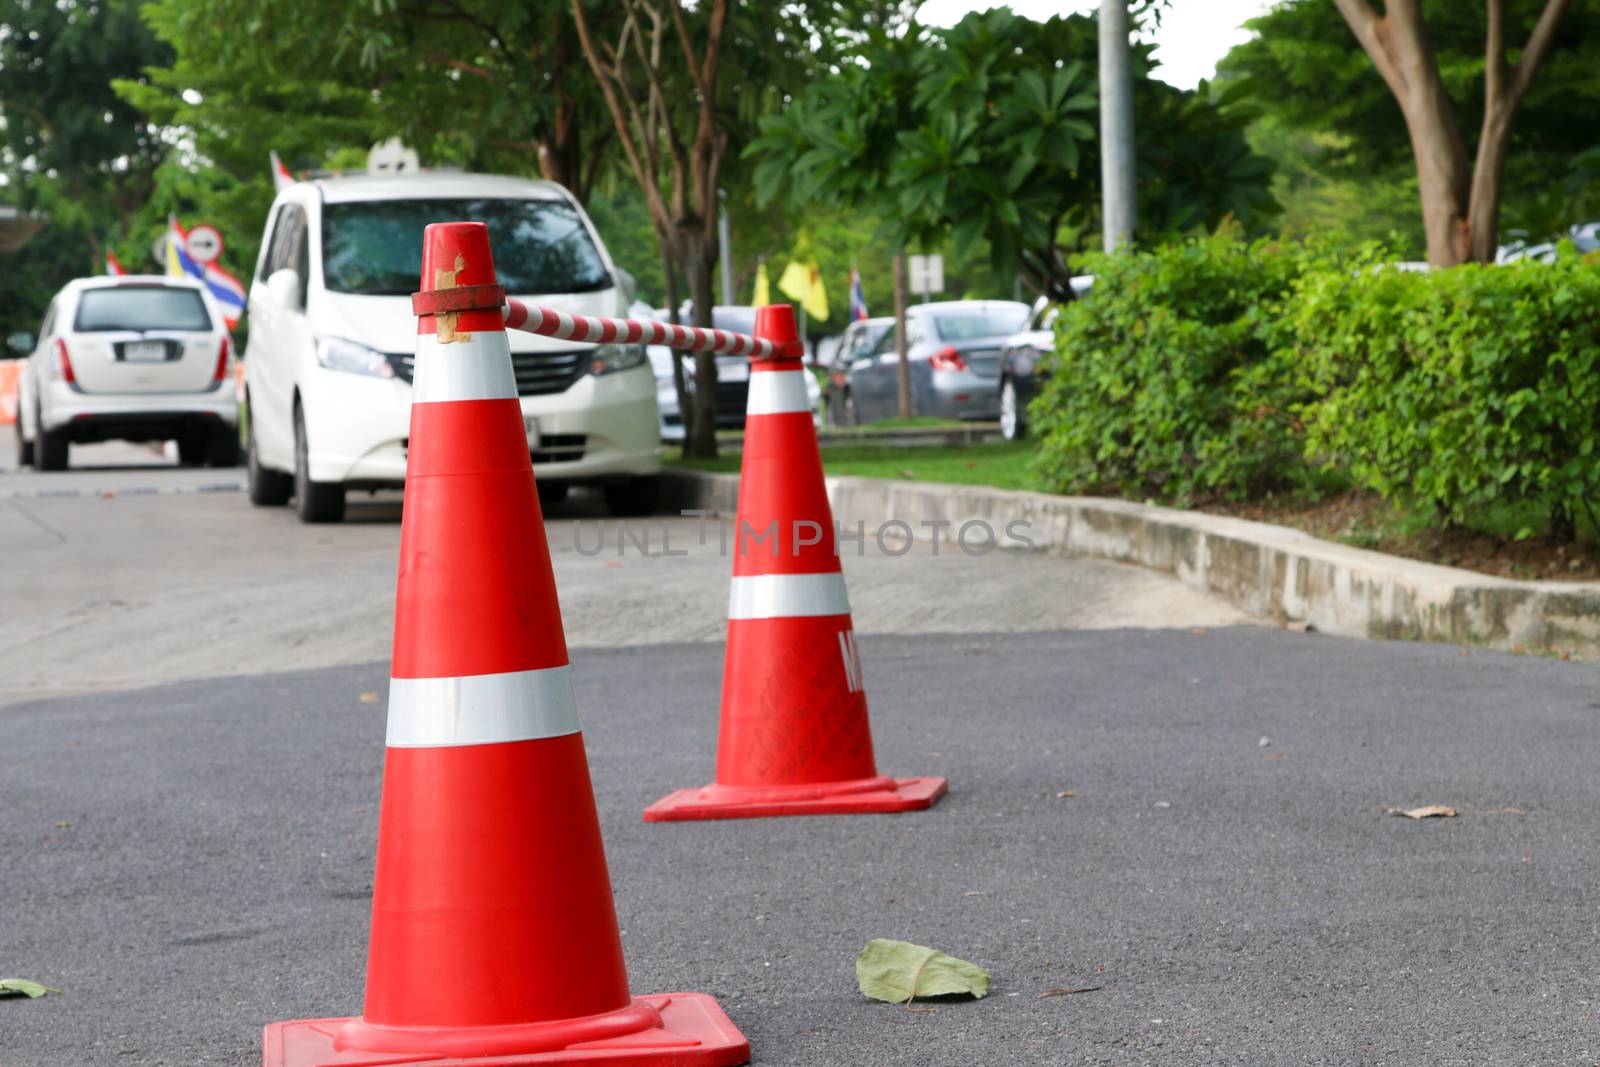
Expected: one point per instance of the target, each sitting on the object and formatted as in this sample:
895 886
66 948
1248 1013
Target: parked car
953 348
733 374
332 340
129 358
857 342
1022 361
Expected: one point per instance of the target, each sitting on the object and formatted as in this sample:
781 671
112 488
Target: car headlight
336 353
608 358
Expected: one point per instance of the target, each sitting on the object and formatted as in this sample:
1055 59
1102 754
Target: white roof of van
435 184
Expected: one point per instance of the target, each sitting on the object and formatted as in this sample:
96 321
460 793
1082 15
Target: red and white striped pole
794 737
493 930
548 322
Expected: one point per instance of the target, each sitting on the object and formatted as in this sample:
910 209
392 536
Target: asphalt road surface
193 861
128 571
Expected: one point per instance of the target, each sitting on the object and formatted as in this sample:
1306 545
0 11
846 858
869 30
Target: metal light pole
1120 204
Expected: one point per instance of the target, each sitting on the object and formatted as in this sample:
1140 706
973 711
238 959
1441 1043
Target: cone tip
775 323
455 254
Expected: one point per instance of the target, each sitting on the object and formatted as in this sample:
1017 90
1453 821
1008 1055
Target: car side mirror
284 288
20 342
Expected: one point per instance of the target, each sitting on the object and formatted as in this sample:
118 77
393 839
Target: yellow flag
763 295
802 282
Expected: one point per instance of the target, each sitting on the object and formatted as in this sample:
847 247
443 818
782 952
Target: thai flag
114 265
281 178
858 302
227 290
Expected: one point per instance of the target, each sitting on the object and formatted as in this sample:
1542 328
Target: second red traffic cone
794 738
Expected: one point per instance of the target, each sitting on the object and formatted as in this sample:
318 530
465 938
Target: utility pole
725 239
1120 204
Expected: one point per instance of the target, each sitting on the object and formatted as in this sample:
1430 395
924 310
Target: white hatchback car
333 338
131 358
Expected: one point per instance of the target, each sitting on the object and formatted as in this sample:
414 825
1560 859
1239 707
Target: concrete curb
1269 571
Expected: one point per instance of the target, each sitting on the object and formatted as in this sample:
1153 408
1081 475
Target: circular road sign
204 244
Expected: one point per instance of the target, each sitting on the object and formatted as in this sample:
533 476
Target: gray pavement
192 861
129 574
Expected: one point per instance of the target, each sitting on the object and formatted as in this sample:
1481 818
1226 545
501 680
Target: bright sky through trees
1193 35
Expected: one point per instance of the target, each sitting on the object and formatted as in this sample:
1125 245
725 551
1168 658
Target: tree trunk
699 262
1460 202
902 370
669 274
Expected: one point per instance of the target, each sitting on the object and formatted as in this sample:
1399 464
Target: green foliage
1304 72
984 134
1220 369
1165 382
1461 389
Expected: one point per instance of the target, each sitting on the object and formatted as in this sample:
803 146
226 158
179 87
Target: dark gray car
953 351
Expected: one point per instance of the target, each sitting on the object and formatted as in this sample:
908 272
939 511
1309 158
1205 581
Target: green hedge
1221 369
1165 382
1461 388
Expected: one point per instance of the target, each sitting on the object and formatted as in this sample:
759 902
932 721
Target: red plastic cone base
860 797
694 1032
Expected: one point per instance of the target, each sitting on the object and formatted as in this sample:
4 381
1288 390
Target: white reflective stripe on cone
787 596
481 709
777 392
477 368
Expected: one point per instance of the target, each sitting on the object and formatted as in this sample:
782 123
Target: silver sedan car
953 351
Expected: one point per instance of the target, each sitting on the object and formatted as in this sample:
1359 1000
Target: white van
332 340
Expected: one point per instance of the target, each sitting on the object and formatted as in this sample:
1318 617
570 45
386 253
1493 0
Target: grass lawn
1003 464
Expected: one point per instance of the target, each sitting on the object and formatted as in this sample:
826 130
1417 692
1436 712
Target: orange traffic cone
794 738
493 932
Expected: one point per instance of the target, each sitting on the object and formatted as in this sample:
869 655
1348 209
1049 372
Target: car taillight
64 362
222 362
947 359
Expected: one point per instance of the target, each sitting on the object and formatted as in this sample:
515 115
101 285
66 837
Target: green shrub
1166 382
1462 388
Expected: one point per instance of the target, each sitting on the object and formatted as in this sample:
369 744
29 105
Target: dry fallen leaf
1431 811
1063 991
369 698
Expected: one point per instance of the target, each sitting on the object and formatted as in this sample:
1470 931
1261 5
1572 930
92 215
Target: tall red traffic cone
493 932
794 738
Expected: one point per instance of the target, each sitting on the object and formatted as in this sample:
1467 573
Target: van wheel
636 496
50 447
551 492
313 501
268 488
24 449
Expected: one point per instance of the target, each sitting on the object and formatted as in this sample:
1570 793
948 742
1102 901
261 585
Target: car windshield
374 247
984 322
141 307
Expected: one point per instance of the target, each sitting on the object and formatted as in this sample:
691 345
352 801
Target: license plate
144 352
531 425
734 372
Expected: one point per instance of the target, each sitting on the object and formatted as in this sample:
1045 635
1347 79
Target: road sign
204 244
927 274
392 157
